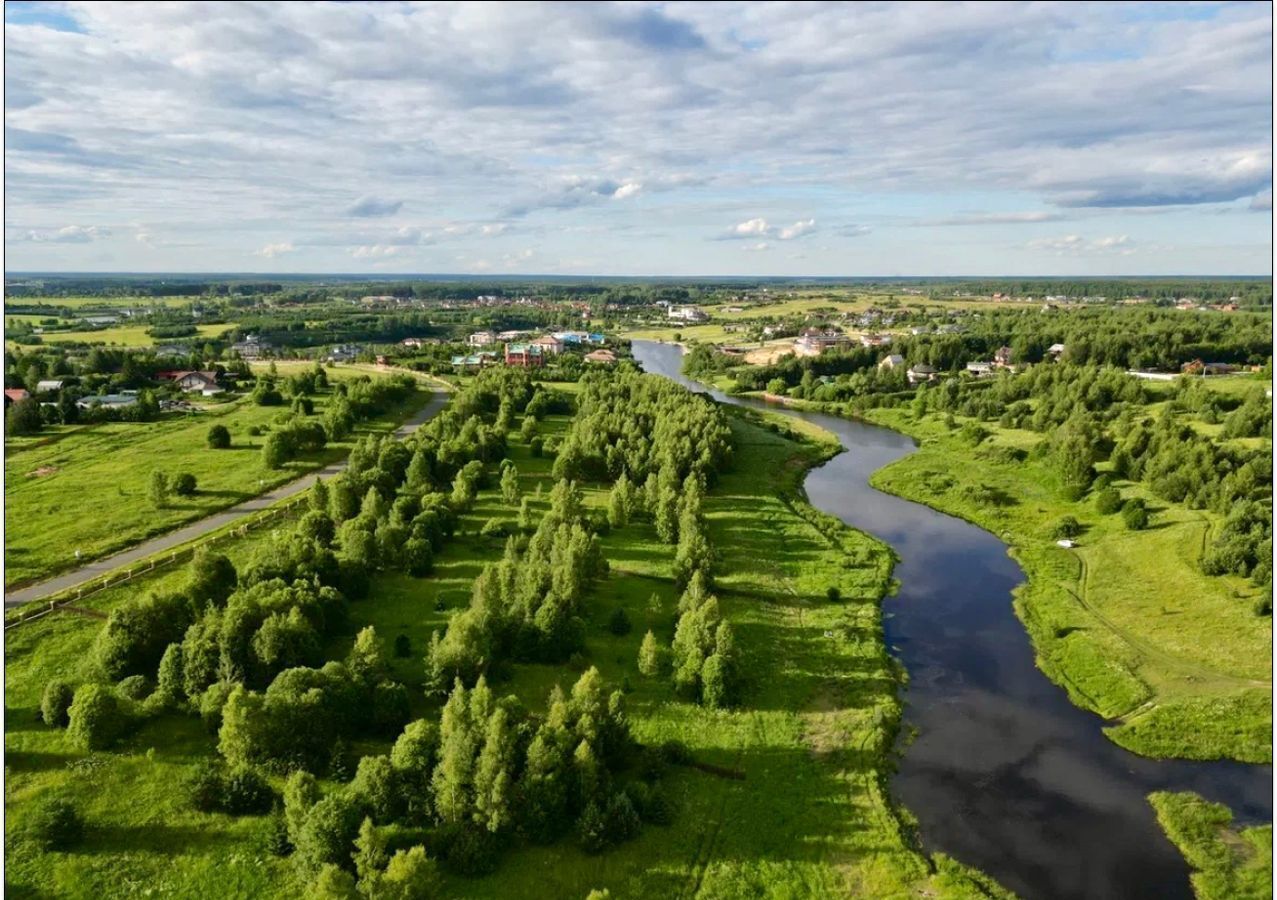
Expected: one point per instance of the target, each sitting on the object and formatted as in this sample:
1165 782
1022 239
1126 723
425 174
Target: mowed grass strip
1126 622
85 487
810 818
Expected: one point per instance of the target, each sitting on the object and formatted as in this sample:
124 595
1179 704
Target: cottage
13 395
204 382
102 320
482 338
475 360
171 350
344 353
870 339
252 347
413 342
980 368
512 335
892 362
1055 351
814 341
49 386
549 344
527 356
921 372
1002 357
688 314
606 357
1197 367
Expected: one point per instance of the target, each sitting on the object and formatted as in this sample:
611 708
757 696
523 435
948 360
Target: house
1197 367
45 387
813 341
414 343
549 344
110 401
102 320
482 338
344 353
1055 351
1152 376
870 339
527 356
252 347
892 362
512 335
204 382
13 395
475 360
919 329
1002 357
688 314
171 350
921 372
606 357
981 368
382 360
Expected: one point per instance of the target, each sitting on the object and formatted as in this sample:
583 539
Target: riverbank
1125 622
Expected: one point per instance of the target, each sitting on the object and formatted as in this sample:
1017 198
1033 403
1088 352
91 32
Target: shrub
1108 501
184 484
95 719
1263 607
55 702
471 851
158 489
1066 527
219 437
55 825
135 687
204 787
275 840
403 646
619 623
833 595
675 753
592 829
326 835
246 793
1135 515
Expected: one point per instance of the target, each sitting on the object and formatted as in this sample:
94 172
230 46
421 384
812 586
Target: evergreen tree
510 484
650 656
370 859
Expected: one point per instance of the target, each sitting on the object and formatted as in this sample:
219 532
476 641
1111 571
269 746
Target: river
1004 774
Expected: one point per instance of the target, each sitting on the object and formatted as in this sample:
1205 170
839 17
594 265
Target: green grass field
813 737
1126 622
132 336
85 486
1230 863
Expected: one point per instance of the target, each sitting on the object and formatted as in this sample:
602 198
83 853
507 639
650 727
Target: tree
301 792
1135 515
619 623
170 676
212 579
219 437
158 489
510 484
1108 501
620 502
275 451
376 785
24 417
333 883
95 719
330 828
1066 527
55 702
650 658
184 484
410 875
55 825
453 776
370 858
367 658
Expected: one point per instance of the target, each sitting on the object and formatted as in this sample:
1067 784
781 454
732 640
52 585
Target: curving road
100 567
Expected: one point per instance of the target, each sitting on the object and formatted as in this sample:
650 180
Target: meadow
812 737
1229 863
1126 622
85 487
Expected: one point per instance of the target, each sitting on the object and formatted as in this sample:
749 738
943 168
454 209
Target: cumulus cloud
371 207
270 251
758 227
70 234
1073 244
1263 201
629 189
997 218
376 251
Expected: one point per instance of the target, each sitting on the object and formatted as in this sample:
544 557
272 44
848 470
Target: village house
48 386
251 347
920 372
413 342
891 362
549 344
171 350
871 339
204 382
110 401
482 338
343 353
1197 367
814 341
512 335
1002 357
606 357
688 314
13 395
1055 351
526 356
475 360
980 369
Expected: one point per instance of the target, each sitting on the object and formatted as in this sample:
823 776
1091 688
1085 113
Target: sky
640 138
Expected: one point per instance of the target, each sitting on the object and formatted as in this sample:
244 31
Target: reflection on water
1005 773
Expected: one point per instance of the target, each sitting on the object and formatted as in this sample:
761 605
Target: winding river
1005 773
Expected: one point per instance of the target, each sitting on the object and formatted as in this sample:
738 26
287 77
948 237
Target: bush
184 484
833 595
675 753
1108 501
219 438
204 787
328 832
135 687
403 646
1263 607
619 623
55 702
1066 527
95 719
471 851
245 793
1135 515
55 825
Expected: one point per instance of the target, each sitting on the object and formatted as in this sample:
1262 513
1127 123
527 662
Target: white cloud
750 228
372 207
629 189
376 251
1073 244
798 229
758 227
70 234
270 251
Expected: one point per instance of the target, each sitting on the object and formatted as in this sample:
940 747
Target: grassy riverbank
1229 863
812 737
1126 622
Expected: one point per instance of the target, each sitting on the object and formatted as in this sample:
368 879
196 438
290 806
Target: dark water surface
1005 773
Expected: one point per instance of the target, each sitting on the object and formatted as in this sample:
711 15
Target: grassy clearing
811 818
132 336
1126 622
49 477
1230 863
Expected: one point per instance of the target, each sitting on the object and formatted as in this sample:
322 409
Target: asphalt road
100 567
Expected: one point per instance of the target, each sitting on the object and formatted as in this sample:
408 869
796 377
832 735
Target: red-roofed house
13 395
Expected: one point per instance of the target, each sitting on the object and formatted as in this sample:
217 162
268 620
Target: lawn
85 487
1126 622
813 737
132 335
